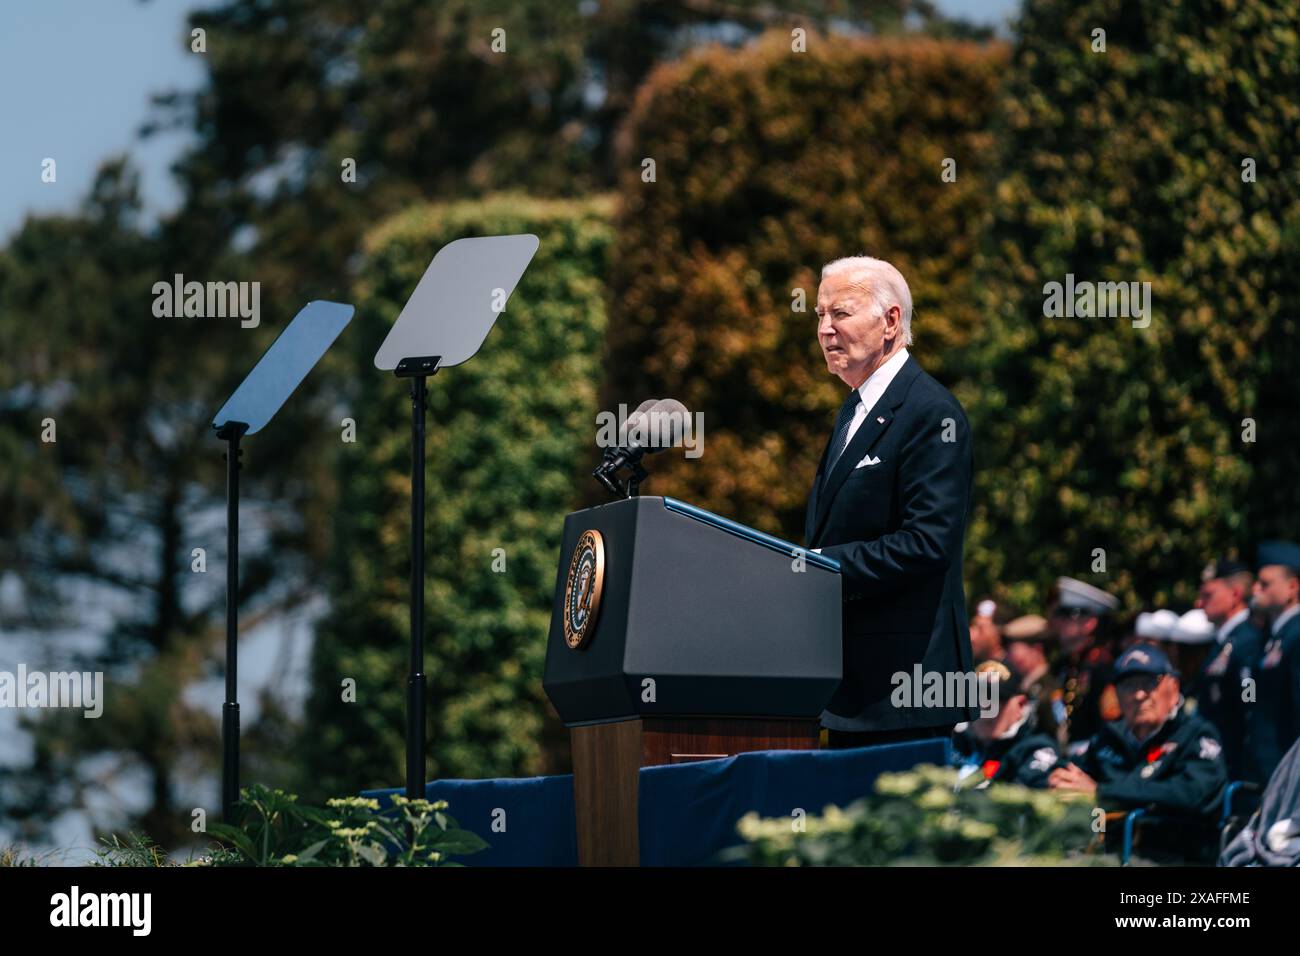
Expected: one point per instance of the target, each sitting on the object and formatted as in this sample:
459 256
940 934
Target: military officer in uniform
1273 720
1085 698
1224 596
1005 746
1155 756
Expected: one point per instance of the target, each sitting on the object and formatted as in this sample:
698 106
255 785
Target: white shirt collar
879 380
1280 621
1221 634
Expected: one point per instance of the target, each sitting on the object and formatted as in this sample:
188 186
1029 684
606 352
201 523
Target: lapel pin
881 419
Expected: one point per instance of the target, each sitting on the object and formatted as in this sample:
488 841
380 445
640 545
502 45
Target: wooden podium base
607 758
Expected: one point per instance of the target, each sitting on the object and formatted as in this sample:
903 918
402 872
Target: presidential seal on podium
582 589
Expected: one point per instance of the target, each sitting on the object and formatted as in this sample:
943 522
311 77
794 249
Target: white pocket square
866 462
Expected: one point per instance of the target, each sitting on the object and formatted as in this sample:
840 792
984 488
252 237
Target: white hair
882 282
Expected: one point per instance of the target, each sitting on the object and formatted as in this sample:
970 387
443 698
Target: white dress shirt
873 388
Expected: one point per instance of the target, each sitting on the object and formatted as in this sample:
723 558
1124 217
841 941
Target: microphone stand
615 460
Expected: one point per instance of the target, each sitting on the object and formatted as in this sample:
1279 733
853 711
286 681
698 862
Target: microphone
659 420
639 411
619 457
647 431
651 429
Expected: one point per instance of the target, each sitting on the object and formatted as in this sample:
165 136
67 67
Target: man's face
1276 589
983 638
853 339
1145 700
1075 629
1025 656
1218 599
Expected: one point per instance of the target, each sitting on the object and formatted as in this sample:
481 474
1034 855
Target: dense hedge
506 434
768 163
1127 166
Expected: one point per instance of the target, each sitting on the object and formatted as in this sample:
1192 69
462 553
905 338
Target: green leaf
458 842
241 840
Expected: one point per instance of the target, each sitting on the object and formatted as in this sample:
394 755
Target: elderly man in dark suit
889 503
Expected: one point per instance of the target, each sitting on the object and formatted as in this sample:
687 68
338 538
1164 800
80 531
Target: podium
680 635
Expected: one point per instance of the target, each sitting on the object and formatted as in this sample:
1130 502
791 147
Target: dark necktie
841 434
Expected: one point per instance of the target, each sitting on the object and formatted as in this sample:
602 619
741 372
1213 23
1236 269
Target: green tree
102 521
432 102
507 432
767 164
1129 165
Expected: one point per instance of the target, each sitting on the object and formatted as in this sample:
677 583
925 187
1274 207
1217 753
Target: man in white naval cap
1085 695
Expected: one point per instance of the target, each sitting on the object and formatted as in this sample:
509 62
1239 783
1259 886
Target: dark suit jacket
1218 691
897 529
1273 720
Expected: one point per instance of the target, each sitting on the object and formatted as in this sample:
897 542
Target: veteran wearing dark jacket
1155 756
1004 746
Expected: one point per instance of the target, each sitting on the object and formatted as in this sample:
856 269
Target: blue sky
75 81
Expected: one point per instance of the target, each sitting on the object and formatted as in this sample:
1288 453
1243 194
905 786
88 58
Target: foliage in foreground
273 829
926 817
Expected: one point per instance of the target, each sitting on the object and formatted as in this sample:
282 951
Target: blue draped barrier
526 821
687 812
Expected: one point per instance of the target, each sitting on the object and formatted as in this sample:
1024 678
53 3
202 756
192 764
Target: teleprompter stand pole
447 318
417 370
280 370
230 433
